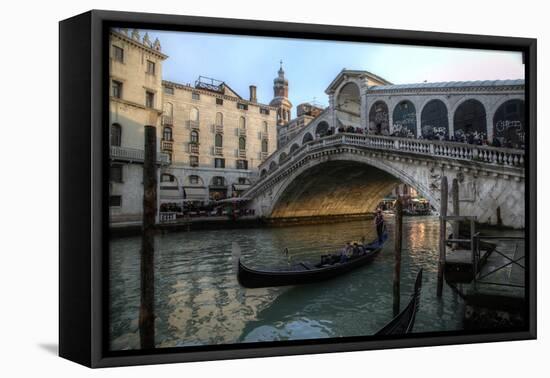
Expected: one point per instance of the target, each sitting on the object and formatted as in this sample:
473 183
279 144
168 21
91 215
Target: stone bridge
351 173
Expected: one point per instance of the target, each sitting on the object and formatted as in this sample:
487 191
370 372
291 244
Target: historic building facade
210 139
135 100
305 113
216 140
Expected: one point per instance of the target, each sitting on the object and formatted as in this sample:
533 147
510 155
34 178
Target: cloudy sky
311 65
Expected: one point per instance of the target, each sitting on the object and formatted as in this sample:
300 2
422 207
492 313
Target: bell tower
280 97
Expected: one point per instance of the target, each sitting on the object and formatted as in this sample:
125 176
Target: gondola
304 273
404 321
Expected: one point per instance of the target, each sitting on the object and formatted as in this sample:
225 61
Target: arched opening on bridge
272 166
404 120
379 121
282 158
335 188
307 138
322 129
293 148
509 124
263 173
434 120
470 121
348 105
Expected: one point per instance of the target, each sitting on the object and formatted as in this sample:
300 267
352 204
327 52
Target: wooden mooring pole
147 274
442 234
397 254
456 210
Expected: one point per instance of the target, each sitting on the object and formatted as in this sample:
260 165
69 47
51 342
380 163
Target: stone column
332 107
450 117
364 108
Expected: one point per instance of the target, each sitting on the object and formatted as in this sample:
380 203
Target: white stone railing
136 155
167 216
436 149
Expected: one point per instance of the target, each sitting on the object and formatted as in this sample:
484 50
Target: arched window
434 120
242 143
265 127
218 181
219 140
242 123
194 114
194 137
321 129
404 120
307 138
509 123
294 148
219 119
379 122
116 135
168 109
167 133
195 180
470 121
264 145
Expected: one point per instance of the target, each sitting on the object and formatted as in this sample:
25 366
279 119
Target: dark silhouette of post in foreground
397 254
147 288
442 234
456 210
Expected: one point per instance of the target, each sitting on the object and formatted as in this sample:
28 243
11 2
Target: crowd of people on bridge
470 137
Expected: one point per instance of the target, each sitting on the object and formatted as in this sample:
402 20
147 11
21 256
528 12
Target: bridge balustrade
449 150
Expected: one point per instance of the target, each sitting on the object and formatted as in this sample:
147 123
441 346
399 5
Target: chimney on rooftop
253 94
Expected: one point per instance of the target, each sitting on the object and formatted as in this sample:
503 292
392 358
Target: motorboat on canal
303 273
404 322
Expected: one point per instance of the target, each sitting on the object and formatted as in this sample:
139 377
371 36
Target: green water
199 301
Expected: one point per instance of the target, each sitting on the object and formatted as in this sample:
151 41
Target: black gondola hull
253 278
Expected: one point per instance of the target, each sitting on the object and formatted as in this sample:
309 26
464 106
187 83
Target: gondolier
379 223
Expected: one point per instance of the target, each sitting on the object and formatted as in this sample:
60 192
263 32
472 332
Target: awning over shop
240 187
198 193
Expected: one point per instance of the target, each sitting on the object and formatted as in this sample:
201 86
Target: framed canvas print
235 188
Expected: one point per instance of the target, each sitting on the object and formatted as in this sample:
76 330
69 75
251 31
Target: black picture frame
83 152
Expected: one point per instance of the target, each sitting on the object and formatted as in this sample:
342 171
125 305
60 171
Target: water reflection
199 302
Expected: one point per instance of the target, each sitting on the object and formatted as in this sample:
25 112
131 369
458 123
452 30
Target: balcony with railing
194 148
218 151
167 145
264 136
242 131
134 155
241 153
218 128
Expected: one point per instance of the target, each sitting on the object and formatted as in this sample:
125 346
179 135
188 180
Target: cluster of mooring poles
442 237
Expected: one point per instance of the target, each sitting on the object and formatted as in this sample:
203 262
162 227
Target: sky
311 65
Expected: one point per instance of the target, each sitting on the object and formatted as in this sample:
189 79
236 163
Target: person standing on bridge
379 223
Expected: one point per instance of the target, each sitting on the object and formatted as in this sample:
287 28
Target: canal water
199 301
